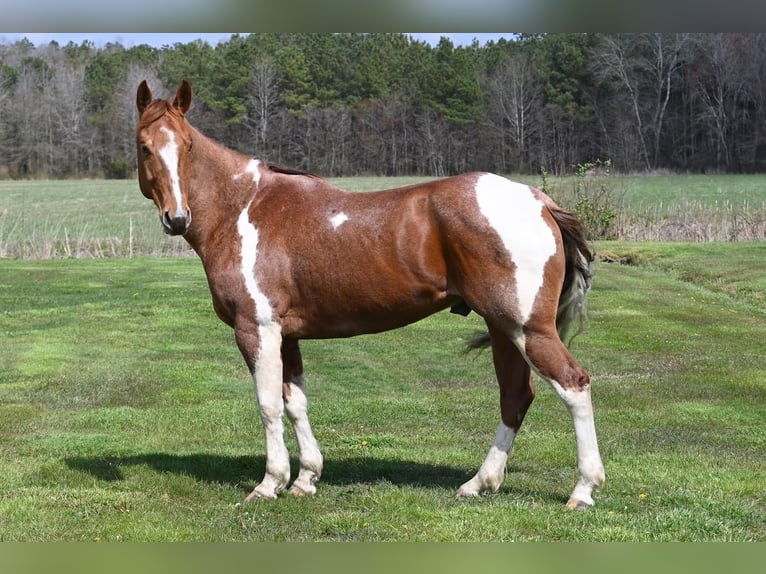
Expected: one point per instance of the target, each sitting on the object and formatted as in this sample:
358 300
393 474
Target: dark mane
277 168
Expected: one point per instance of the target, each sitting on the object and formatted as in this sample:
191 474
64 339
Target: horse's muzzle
177 225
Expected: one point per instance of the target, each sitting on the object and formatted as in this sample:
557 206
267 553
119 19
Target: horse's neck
215 196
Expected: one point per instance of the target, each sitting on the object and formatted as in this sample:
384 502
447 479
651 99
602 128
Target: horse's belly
358 315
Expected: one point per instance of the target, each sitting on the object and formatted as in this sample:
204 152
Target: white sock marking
589 464
310 455
516 214
494 464
268 389
492 471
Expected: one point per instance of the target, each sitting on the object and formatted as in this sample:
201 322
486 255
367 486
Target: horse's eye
146 151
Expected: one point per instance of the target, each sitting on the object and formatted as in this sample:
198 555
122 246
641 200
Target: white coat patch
169 155
251 169
338 220
516 214
249 253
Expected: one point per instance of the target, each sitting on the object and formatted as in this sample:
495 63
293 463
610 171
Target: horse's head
164 145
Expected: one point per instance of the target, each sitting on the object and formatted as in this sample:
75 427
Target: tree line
384 103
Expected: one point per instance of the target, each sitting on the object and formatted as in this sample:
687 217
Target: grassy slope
734 269
126 413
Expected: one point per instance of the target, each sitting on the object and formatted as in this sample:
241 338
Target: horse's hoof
297 490
577 504
259 495
466 493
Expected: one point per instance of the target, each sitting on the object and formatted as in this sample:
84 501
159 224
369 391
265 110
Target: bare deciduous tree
723 90
514 98
70 112
263 101
646 66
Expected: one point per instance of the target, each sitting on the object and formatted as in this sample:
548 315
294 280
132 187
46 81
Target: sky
397 15
157 40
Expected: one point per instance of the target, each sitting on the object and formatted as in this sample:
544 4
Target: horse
289 256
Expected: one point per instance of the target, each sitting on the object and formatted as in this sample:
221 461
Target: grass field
126 413
95 218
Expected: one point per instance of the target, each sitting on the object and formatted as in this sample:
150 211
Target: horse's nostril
176 225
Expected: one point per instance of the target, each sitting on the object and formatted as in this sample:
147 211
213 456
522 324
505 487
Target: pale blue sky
129 39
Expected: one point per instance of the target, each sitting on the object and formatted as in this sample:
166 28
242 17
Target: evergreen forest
387 104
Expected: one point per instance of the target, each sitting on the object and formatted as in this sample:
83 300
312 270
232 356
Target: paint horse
288 256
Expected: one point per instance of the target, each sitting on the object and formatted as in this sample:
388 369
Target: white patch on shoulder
338 220
252 170
516 214
249 254
169 155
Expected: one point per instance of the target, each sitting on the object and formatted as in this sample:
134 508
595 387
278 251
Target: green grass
667 191
126 413
736 270
105 218
80 218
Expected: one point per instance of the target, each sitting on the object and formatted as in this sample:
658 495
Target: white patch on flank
338 220
516 214
252 170
169 155
249 253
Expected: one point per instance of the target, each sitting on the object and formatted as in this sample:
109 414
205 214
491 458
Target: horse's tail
577 279
577 276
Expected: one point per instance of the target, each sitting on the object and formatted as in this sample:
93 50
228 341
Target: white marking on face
249 253
252 170
338 220
516 215
169 156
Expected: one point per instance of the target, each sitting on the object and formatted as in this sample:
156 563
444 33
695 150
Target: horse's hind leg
553 362
516 394
296 405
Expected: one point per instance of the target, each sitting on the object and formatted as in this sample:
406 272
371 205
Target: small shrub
593 198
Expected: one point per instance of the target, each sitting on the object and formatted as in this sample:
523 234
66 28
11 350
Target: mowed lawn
126 413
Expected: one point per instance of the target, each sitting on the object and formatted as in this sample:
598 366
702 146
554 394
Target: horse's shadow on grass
243 471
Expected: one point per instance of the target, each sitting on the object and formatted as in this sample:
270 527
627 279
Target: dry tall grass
53 220
51 241
693 221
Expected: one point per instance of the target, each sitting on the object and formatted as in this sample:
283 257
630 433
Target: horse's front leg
260 346
296 404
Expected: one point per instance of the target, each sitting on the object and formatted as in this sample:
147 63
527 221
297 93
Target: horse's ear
143 96
183 97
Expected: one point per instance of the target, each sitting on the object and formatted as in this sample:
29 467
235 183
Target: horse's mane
159 108
286 170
